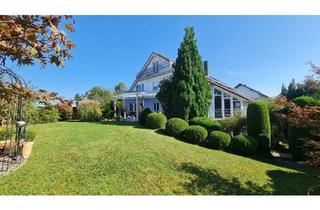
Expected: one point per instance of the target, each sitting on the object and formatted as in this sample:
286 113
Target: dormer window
155 66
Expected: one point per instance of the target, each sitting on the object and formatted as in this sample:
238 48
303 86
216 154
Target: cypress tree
189 87
292 88
284 90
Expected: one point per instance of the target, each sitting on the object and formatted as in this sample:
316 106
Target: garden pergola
136 96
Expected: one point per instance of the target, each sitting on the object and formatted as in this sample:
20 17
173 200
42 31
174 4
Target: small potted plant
28 138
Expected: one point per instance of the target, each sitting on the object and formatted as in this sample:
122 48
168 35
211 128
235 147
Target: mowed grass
71 158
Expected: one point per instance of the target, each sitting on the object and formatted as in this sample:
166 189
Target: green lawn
115 158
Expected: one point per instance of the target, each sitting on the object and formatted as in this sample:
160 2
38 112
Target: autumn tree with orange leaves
27 39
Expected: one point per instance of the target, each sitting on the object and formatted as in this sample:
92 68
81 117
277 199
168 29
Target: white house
250 92
142 93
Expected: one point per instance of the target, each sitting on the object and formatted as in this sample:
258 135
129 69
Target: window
140 88
155 66
155 86
217 104
131 107
156 107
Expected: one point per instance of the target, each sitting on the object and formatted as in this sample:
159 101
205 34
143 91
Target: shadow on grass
209 181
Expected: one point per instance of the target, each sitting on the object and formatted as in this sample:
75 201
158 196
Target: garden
59 148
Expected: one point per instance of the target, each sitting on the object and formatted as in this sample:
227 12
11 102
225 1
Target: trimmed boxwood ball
195 134
207 123
156 120
258 124
218 140
175 126
244 145
143 115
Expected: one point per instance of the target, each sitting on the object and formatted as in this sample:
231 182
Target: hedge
244 145
175 126
195 134
306 101
218 140
143 115
156 120
207 123
258 124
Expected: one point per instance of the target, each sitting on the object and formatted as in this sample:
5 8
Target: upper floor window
155 86
155 66
140 88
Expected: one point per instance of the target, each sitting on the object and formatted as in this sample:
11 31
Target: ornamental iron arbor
11 115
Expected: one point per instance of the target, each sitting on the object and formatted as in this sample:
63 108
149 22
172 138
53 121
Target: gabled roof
244 85
147 63
149 60
226 87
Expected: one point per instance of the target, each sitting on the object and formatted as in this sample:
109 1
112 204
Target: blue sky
260 51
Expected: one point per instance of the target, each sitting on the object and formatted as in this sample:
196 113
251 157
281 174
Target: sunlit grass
114 158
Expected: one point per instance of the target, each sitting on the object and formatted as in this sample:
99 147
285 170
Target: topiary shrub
218 140
175 126
244 145
207 123
143 115
304 101
258 124
195 134
156 120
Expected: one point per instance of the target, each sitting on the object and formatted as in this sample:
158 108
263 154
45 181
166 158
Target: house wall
149 83
249 93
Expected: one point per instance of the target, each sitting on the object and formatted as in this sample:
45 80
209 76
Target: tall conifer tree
189 86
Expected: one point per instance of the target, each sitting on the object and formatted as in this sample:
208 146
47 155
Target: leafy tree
78 97
65 110
189 88
120 88
26 39
104 97
29 38
312 87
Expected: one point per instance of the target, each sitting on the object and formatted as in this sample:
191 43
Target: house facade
226 101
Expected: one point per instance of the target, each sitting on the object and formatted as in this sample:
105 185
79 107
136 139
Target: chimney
206 67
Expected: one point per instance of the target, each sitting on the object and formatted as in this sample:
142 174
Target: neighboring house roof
226 87
244 85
